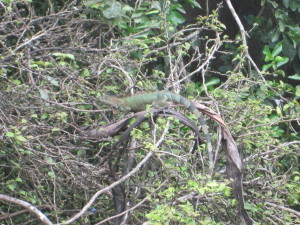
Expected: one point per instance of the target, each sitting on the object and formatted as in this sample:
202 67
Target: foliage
273 59
281 26
58 57
184 212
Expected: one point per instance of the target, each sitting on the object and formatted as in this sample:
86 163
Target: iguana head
109 100
115 103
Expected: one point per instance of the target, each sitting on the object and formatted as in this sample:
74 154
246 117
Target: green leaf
286 3
277 131
154 11
288 47
52 80
294 5
279 72
64 55
266 67
85 73
49 160
21 138
281 60
23 192
12 186
193 3
23 121
297 90
212 82
227 192
62 63
267 53
55 130
51 174
93 3
127 8
34 116
175 18
19 179
281 25
10 134
201 191
295 77
177 7
277 49
275 35
44 94
17 82
273 3
114 10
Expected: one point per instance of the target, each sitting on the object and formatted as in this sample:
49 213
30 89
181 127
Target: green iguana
158 99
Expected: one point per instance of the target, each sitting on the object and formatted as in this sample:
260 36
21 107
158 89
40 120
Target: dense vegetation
58 150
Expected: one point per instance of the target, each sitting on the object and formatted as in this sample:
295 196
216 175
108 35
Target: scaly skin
159 99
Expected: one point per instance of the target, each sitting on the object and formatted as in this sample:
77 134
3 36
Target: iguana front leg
125 109
160 102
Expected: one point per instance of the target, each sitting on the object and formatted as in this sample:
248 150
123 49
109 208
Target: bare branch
29 207
283 208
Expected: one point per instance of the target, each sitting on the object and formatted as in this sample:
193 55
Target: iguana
158 99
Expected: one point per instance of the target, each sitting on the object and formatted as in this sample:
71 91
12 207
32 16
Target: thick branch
283 208
27 206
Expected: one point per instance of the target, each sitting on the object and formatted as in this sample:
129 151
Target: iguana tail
192 108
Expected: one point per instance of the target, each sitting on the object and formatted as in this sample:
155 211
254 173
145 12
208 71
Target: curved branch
140 117
27 206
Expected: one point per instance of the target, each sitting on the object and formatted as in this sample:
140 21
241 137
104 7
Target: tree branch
27 206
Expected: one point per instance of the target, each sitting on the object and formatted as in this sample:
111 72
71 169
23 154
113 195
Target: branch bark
27 206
